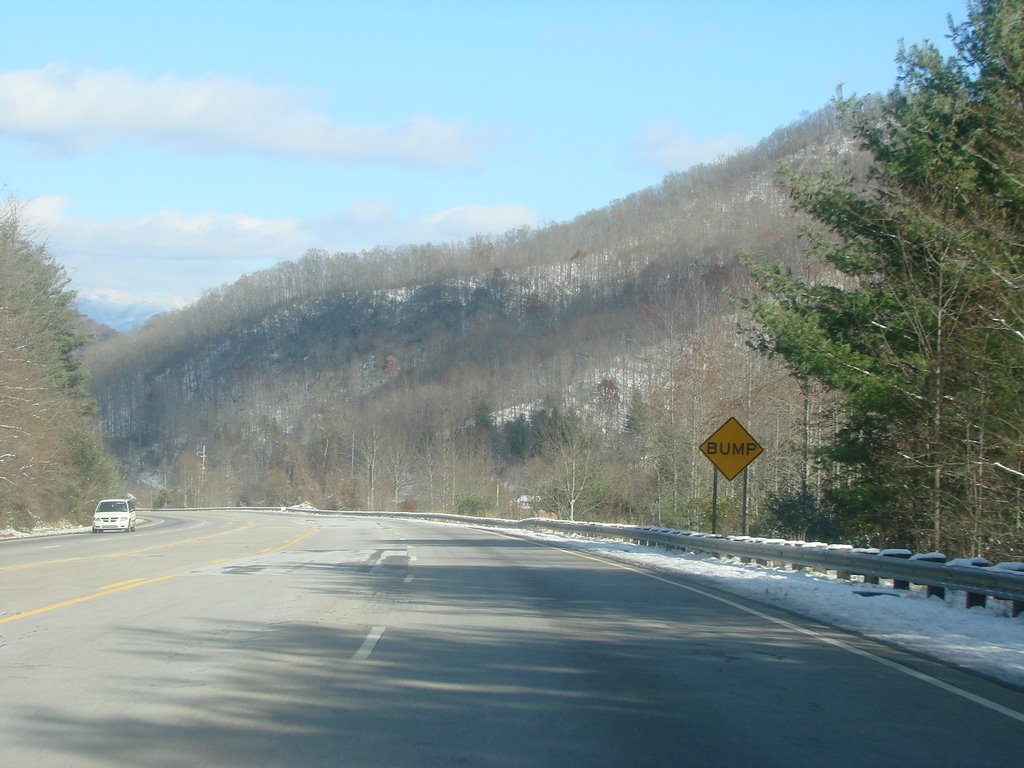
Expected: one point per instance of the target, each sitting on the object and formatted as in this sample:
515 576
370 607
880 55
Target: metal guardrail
974 577
978 580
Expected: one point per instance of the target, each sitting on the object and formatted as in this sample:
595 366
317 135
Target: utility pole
201 453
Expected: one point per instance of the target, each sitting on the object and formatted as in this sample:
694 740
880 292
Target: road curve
251 639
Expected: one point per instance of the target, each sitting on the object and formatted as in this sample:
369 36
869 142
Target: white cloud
46 209
368 212
468 220
74 109
367 224
666 147
169 253
166 234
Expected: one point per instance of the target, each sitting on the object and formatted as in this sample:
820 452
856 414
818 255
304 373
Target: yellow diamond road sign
731 448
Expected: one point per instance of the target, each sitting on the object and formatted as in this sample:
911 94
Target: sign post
730 448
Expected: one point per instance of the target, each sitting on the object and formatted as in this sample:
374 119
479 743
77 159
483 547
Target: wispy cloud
164 251
166 234
368 223
466 220
666 147
73 109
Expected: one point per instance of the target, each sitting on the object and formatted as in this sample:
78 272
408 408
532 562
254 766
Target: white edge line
925 678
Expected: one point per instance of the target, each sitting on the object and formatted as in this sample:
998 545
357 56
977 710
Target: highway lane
40 573
242 639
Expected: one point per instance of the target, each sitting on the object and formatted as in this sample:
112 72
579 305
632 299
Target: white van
114 515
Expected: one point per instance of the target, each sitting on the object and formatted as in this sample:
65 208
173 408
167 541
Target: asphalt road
247 639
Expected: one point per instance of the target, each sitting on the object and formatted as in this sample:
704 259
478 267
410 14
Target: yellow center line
305 534
111 556
121 584
84 598
113 589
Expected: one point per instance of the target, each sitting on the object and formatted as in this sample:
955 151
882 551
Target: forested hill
52 466
423 376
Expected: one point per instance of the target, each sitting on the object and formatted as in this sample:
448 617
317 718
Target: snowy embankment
12 533
986 640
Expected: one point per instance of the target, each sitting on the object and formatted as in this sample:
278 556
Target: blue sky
162 149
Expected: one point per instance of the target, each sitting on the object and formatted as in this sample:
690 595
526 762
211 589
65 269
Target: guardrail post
1016 606
974 599
933 557
841 573
902 554
868 579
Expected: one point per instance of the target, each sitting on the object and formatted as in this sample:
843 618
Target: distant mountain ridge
121 314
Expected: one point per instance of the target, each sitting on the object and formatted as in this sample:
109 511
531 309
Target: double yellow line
111 590
127 553
122 586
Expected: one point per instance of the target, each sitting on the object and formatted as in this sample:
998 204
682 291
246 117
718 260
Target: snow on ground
13 533
986 640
